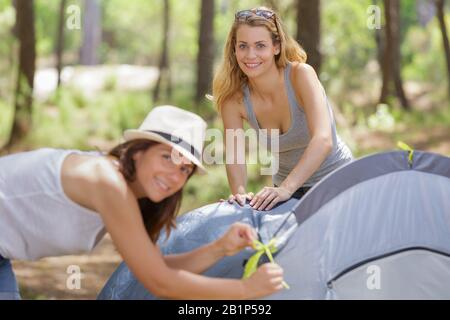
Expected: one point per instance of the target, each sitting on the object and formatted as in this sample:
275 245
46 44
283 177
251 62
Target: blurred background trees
205 55
164 66
79 86
440 7
92 28
23 98
308 30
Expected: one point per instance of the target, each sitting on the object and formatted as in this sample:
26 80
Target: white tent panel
404 209
412 274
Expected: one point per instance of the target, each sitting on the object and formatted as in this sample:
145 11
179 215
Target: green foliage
6 112
7 21
46 25
46 16
382 119
137 31
426 55
70 120
132 35
347 44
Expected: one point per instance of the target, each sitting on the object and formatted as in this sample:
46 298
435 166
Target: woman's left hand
268 197
238 236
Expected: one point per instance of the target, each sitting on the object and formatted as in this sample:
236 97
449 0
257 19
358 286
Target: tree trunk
14 30
391 59
205 57
379 41
60 41
27 56
164 69
308 30
396 38
387 55
380 46
91 33
441 17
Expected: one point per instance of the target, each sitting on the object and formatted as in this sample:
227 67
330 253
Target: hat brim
133 134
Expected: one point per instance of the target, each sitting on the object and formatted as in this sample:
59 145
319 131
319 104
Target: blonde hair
229 78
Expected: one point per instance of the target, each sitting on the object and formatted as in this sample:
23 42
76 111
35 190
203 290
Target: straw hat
182 130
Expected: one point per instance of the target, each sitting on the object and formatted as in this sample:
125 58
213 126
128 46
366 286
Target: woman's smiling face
255 50
158 174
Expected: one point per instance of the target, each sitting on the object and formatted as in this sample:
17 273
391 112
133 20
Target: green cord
410 150
252 263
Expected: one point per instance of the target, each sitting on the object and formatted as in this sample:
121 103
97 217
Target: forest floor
47 278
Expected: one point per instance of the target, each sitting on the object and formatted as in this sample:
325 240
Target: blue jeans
9 290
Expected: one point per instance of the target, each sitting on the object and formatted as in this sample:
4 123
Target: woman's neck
267 85
135 187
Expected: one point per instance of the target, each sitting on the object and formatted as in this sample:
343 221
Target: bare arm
198 260
238 236
236 172
320 145
316 110
118 207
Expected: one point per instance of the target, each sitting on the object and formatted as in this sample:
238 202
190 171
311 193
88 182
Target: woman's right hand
267 279
240 198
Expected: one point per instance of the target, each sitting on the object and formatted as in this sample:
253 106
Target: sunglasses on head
244 14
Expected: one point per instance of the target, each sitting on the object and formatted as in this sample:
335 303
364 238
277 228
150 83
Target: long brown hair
229 78
156 216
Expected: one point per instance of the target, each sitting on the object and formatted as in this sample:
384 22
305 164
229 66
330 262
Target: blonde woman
265 81
57 202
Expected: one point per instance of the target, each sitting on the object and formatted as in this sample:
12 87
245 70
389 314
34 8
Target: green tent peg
407 148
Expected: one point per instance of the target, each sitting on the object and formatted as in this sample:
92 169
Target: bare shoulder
305 81
233 109
234 104
85 179
303 71
108 175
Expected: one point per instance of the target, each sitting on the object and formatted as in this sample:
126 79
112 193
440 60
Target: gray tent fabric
421 265
202 226
377 228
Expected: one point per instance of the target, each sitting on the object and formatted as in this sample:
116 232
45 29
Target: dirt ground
47 278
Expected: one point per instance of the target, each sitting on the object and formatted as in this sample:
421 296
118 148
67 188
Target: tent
377 228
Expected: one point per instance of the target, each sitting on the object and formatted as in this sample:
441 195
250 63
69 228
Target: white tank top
37 219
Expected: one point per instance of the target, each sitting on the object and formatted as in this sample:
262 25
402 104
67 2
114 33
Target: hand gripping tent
377 228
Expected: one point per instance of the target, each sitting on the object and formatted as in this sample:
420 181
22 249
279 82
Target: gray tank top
292 143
